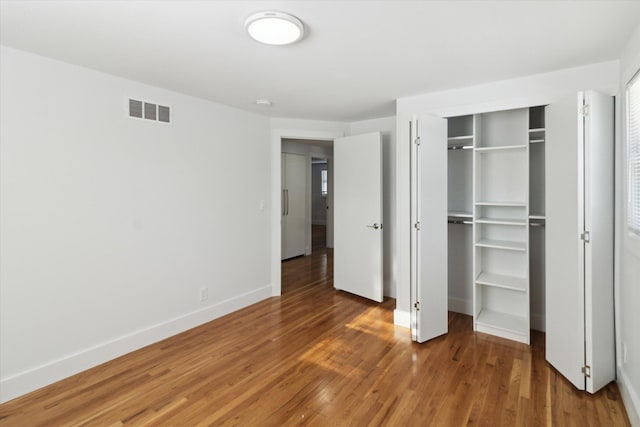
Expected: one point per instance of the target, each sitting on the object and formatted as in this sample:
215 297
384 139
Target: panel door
564 255
598 219
357 215
429 203
579 250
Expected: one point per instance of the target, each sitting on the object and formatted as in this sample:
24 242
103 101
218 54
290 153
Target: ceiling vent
149 111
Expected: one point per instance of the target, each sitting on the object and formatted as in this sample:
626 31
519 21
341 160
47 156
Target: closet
529 237
293 209
494 182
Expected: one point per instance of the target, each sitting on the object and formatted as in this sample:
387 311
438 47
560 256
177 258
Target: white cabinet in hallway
294 196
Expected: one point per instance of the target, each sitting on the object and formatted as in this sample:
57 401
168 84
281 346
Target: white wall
387 126
627 256
315 126
109 225
521 92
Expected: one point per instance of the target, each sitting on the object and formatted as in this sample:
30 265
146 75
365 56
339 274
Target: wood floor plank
320 357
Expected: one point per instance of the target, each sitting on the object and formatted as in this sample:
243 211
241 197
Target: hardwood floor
320 357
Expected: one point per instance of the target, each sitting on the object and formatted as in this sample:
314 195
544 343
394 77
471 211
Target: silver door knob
375 226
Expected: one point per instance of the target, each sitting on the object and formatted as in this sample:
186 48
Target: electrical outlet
203 293
624 352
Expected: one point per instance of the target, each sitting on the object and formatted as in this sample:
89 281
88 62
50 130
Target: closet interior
496 220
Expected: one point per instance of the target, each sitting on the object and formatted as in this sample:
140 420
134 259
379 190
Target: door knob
375 226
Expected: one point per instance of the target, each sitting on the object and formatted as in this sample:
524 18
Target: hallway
313 270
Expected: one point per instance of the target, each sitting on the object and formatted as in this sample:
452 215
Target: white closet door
598 218
357 196
579 203
564 296
294 199
429 200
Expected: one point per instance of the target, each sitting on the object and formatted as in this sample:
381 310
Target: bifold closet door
294 195
429 204
579 239
598 219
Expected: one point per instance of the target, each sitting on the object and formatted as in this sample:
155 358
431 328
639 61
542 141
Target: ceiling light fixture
264 102
274 28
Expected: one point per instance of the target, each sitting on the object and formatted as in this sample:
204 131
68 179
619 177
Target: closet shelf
503 204
536 141
500 148
537 130
501 221
501 281
502 244
495 320
537 216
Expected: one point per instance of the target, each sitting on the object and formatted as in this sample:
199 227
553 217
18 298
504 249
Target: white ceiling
357 56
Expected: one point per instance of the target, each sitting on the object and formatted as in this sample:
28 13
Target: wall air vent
149 111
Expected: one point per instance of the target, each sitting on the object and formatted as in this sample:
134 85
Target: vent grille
164 114
135 108
149 111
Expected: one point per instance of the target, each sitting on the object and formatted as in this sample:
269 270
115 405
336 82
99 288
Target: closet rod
460 147
457 221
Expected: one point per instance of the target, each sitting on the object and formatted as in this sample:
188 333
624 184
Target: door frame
276 185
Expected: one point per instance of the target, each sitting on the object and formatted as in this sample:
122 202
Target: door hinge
586 370
417 141
417 225
586 236
584 110
416 305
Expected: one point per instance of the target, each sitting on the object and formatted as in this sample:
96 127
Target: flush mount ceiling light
274 28
264 102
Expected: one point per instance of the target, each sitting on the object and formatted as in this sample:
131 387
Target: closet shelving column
537 138
460 143
501 225
537 216
461 134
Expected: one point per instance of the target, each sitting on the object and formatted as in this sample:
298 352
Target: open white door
357 215
564 255
579 240
598 252
429 201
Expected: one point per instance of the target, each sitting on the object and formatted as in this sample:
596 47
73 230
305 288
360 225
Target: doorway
312 265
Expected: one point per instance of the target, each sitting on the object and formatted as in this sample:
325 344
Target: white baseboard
56 370
629 397
402 318
461 305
